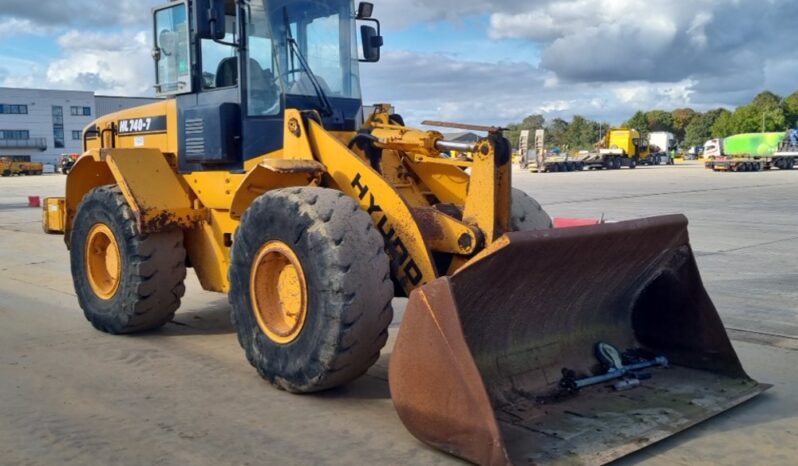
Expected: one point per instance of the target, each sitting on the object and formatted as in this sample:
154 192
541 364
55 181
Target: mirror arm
229 44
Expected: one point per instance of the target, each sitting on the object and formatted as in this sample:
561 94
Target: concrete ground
186 395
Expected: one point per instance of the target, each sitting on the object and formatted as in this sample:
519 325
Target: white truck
662 145
713 149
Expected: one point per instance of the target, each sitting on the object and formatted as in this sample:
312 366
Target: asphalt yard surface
186 395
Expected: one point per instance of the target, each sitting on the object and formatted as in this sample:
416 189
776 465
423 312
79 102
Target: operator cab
235 66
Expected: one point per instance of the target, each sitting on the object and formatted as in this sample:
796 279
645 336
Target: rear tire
346 289
527 213
150 274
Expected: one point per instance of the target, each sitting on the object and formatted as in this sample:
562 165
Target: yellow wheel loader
260 172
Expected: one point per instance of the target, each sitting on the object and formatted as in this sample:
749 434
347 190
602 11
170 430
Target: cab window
220 61
172 50
263 87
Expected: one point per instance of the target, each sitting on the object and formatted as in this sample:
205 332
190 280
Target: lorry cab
713 148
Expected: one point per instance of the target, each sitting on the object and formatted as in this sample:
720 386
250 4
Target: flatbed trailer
779 160
593 161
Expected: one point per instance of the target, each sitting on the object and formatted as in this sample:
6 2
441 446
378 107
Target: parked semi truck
623 147
619 148
19 165
662 145
753 152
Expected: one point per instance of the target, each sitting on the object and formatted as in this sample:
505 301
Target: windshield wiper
327 109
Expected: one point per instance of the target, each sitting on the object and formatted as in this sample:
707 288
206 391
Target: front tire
310 289
125 282
527 213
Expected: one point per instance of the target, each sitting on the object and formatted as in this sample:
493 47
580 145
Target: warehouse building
46 124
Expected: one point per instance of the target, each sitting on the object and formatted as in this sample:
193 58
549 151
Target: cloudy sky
466 60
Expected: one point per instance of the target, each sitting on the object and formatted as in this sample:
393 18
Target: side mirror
365 10
209 19
372 43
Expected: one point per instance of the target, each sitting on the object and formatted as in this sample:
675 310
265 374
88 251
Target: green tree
699 130
681 118
791 107
766 99
639 121
659 120
582 133
767 112
723 126
531 123
557 134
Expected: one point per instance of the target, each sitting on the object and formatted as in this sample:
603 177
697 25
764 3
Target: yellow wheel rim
278 292
103 261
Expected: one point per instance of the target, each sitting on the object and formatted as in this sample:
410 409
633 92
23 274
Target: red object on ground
34 201
561 222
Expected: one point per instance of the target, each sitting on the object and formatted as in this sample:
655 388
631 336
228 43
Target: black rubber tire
617 164
6 173
633 163
153 267
349 285
527 214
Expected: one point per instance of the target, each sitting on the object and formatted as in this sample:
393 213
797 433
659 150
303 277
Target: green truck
752 152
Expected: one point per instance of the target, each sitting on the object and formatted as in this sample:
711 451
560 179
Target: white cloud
66 13
434 86
705 42
647 95
599 58
116 63
10 27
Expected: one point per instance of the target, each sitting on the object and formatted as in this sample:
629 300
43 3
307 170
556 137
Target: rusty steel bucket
477 369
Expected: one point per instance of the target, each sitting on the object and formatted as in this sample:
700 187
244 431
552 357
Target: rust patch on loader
479 360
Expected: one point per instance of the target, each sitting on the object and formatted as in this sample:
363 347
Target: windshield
326 37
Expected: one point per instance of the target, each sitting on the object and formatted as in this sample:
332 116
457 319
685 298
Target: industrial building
46 124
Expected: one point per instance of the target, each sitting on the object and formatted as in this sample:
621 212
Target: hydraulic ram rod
448 146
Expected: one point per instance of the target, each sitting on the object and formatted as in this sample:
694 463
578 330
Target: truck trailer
752 152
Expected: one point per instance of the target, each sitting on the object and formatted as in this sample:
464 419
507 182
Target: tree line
766 112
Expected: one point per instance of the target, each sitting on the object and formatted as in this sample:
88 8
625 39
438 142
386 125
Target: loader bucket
479 359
